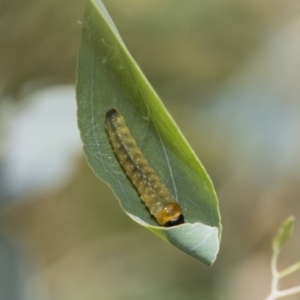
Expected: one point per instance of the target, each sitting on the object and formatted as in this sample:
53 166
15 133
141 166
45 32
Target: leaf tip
284 233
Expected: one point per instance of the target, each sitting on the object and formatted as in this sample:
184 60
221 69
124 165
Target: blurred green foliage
81 240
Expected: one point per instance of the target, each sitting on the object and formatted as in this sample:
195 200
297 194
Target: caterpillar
152 191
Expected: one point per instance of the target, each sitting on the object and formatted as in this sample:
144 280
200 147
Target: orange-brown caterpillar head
170 215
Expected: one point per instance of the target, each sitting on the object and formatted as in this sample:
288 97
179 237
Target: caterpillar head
170 215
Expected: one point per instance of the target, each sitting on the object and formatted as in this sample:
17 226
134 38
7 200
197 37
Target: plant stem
288 292
295 267
275 294
275 277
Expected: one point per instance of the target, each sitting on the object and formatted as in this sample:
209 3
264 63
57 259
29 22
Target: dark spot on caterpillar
110 113
153 192
174 222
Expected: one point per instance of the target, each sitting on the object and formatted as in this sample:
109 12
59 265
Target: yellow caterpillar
153 192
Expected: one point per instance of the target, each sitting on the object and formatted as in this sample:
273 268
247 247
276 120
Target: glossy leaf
108 77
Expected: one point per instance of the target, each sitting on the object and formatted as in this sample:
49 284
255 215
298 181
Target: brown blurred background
229 73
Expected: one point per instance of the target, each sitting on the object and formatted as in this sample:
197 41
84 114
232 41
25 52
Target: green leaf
108 77
283 234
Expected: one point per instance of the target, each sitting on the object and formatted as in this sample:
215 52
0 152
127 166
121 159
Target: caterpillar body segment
153 192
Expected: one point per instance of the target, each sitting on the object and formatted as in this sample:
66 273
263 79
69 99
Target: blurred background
229 73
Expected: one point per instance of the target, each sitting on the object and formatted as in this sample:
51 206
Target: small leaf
283 234
108 77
